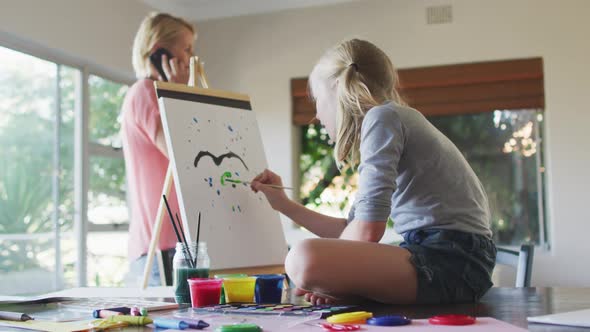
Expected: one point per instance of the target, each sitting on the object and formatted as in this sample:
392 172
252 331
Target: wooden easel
196 73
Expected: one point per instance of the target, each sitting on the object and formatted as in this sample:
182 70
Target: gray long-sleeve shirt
412 172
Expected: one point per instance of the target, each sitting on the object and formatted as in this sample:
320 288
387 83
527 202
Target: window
504 148
62 174
108 215
323 187
37 248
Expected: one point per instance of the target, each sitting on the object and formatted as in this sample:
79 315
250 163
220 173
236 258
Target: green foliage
26 165
317 155
508 177
107 174
27 124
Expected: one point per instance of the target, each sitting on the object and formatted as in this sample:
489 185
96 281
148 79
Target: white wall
100 32
259 55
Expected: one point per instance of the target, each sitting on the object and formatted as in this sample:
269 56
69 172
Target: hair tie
354 65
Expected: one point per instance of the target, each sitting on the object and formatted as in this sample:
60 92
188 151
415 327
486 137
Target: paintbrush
184 238
264 184
175 229
198 232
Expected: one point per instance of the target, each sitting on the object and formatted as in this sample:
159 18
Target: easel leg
156 232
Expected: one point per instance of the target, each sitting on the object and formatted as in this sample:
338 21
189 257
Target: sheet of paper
290 323
48 326
579 318
94 292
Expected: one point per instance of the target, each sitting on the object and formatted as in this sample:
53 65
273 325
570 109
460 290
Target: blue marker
167 323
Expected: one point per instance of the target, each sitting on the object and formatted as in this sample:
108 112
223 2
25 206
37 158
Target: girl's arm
369 231
319 224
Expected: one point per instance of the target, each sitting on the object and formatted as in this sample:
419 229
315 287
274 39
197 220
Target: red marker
452 320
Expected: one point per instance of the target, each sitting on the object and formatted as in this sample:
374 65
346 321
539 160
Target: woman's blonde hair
156 29
366 78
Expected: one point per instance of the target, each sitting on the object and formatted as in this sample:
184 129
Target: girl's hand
176 72
276 197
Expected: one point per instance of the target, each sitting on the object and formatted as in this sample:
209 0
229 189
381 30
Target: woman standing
144 146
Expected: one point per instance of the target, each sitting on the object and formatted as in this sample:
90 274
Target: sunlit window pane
106 98
28 95
106 196
107 259
504 149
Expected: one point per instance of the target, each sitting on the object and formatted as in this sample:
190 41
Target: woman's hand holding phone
176 72
168 68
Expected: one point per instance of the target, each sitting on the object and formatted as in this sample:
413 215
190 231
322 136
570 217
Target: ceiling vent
439 14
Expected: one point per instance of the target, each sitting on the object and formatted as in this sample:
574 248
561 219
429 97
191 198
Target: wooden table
512 305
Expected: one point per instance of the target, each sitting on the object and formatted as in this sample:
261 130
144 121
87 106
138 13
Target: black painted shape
218 160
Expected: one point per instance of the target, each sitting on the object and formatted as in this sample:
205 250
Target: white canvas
239 226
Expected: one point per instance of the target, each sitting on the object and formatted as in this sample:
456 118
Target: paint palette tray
284 309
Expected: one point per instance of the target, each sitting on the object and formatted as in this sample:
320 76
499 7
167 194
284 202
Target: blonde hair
155 29
366 78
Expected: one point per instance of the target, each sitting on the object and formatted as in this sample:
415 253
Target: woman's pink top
146 169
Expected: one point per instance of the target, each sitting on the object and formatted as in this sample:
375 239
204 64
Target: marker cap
452 320
350 317
389 321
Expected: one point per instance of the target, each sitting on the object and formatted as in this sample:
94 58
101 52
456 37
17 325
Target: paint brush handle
277 187
270 185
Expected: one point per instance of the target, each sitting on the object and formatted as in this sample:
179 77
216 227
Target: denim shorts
452 266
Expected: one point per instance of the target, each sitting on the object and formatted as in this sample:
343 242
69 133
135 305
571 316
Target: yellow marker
358 317
131 320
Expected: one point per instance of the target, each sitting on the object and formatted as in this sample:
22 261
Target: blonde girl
408 171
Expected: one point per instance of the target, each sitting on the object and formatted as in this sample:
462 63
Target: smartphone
156 59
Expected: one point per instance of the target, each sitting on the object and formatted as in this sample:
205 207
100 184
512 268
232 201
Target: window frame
83 148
